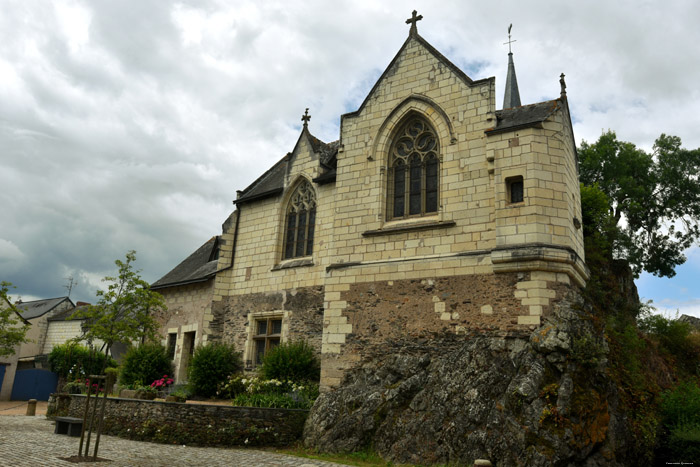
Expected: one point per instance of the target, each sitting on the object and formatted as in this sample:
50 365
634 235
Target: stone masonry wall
194 424
375 314
301 310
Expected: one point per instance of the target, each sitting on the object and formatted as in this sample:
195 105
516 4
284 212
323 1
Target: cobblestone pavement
30 441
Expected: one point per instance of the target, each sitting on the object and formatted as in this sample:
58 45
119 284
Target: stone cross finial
415 17
306 117
563 85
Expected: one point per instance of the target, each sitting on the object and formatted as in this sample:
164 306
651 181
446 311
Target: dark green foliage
277 401
144 364
674 338
292 361
654 200
682 405
681 414
211 365
72 361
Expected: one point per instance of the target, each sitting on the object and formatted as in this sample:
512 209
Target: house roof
524 116
200 266
271 182
36 308
65 315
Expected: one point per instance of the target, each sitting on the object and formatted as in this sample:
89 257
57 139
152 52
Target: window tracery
300 222
413 170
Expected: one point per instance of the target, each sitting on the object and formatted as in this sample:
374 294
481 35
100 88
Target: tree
124 313
653 199
12 330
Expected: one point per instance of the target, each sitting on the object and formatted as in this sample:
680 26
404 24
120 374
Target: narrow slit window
515 189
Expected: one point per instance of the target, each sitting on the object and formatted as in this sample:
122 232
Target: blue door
34 384
2 374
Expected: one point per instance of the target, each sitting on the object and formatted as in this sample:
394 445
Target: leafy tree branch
653 200
12 329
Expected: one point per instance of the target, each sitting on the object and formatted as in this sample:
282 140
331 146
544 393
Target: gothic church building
432 213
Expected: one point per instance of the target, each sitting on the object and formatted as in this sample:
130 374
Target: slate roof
65 315
200 266
524 116
271 182
36 308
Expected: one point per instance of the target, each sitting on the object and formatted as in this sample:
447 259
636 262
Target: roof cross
415 17
509 41
306 117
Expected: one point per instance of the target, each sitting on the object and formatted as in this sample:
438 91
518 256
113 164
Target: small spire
415 17
563 85
511 98
306 117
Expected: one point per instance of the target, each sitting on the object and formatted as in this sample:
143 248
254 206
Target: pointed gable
392 69
272 182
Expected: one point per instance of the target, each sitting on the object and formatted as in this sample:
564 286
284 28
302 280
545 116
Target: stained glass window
413 170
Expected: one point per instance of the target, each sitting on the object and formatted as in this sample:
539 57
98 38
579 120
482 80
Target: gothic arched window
413 171
300 221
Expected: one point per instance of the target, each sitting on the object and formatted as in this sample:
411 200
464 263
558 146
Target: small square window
515 190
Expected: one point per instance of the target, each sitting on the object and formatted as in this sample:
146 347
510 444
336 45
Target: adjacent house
26 369
188 292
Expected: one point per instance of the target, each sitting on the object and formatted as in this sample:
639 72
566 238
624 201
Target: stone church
433 212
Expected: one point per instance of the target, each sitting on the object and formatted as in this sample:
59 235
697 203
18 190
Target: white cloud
9 251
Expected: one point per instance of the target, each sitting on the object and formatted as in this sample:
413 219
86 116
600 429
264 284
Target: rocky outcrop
537 399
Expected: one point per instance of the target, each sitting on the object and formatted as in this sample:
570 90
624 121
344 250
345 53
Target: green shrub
684 441
276 401
273 393
210 366
144 364
295 361
73 361
682 404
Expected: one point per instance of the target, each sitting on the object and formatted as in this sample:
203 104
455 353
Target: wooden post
85 417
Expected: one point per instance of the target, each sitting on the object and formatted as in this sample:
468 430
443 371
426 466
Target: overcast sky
131 124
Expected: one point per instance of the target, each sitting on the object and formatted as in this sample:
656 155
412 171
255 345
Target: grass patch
364 458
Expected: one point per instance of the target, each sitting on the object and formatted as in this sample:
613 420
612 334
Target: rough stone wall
525 398
301 310
375 314
194 424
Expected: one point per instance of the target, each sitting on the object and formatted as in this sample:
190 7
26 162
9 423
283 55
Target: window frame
510 182
267 337
421 189
301 206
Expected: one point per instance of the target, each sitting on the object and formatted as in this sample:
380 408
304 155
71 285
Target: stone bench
70 426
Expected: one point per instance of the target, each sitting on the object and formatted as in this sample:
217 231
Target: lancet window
413 171
300 222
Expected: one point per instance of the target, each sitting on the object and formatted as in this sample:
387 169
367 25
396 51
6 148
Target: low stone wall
196 424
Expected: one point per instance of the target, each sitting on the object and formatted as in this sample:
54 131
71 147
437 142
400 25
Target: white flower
246 441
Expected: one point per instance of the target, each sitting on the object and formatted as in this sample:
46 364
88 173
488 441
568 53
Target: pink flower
170 381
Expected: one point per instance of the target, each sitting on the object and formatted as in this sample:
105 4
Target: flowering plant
162 383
